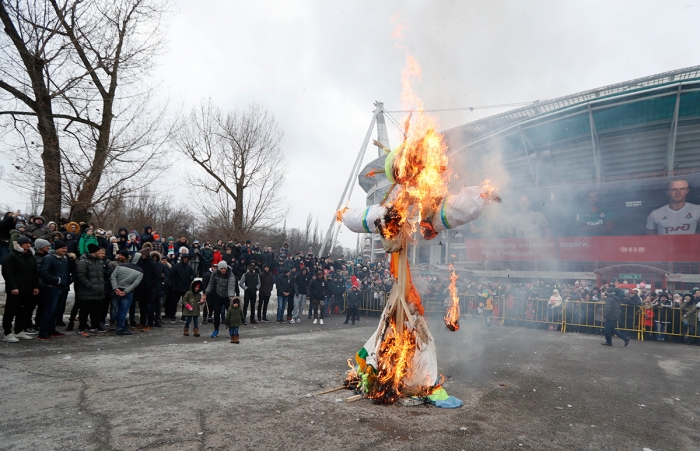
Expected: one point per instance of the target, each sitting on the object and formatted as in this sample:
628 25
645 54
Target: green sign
631 276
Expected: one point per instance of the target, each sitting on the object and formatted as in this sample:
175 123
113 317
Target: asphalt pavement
523 389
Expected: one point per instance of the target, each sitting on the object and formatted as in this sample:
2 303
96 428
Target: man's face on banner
678 190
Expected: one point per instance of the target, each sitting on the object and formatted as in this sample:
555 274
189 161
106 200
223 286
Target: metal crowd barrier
520 310
574 316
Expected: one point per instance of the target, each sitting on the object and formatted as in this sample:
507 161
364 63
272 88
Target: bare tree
146 208
79 68
241 166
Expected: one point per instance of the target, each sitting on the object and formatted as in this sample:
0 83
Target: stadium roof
649 126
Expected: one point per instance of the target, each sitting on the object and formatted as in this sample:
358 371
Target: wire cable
466 108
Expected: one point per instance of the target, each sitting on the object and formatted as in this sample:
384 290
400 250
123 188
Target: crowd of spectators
659 312
116 275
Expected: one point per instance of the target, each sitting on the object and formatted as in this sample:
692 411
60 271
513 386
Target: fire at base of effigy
400 359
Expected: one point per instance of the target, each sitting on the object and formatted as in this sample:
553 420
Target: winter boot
186 333
195 331
70 326
235 339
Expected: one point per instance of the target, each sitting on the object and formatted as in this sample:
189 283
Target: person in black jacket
353 305
318 290
147 236
611 313
55 273
301 289
250 284
21 285
145 292
7 224
181 277
285 288
266 284
161 289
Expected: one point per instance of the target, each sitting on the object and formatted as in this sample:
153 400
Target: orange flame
490 191
452 315
339 214
421 178
420 166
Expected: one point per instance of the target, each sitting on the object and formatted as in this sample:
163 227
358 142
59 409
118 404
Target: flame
421 181
339 214
420 166
490 192
452 315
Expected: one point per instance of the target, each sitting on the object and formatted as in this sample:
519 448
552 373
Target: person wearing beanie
17 232
21 286
611 314
90 292
221 288
55 273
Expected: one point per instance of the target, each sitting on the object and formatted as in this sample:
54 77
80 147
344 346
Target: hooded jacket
266 282
301 282
318 289
122 238
146 236
90 278
192 299
86 239
19 270
354 299
35 231
235 315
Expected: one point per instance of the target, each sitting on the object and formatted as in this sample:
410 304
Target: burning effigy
399 360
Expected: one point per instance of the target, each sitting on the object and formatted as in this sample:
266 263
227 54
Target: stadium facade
587 170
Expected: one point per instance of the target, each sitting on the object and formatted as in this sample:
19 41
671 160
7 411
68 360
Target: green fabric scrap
438 395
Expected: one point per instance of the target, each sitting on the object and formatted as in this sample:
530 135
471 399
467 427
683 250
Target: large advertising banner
643 248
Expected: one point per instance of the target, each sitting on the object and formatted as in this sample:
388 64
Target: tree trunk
81 208
51 158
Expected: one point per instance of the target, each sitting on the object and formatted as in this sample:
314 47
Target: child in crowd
234 319
190 307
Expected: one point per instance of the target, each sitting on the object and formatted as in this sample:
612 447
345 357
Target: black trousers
262 306
89 308
249 298
354 313
610 325
75 310
171 302
16 306
216 304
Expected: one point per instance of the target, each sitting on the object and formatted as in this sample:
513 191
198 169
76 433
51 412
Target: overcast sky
318 66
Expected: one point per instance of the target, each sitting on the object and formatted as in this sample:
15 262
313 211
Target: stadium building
580 176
